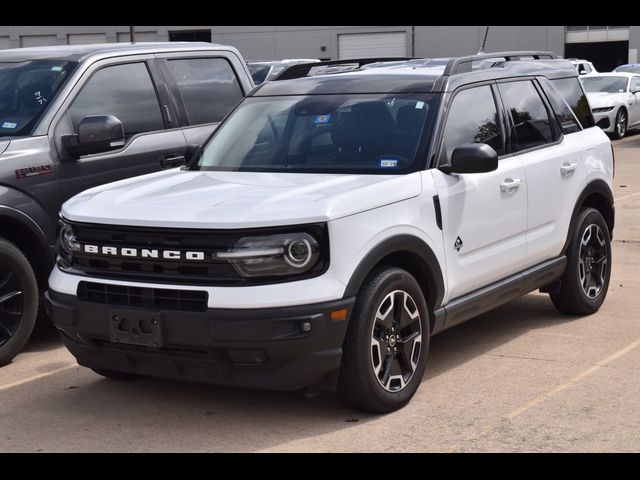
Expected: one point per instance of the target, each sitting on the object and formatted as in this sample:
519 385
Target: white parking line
548 394
36 377
627 196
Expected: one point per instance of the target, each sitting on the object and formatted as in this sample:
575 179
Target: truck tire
18 301
584 284
387 343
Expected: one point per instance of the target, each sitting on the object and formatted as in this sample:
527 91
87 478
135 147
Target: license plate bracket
135 327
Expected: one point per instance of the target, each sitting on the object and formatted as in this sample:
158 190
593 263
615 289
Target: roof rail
464 64
303 69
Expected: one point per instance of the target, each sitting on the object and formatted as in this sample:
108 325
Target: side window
531 123
208 87
125 91
572 92
635 84
473 118
564 114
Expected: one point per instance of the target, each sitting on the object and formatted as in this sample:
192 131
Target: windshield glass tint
373 133
605 84
26 89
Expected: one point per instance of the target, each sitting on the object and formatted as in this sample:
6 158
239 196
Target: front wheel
18 301
620 128
387 343
585 282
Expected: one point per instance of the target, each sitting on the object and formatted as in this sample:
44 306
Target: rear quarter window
572 92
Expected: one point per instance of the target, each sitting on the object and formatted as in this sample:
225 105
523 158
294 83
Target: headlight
281 254
602 109
66 245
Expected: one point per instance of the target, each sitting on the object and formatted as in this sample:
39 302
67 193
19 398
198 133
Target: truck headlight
281 254
66 245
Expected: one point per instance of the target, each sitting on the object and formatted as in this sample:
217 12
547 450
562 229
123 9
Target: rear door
552 165
206 86
125 88
484 215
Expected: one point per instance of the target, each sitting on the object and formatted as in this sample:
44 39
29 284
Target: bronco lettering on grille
144 253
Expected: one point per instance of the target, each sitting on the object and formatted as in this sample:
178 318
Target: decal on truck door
34 171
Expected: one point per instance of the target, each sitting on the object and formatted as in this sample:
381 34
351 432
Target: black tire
620 127
574 298
360 385
115 375
18 301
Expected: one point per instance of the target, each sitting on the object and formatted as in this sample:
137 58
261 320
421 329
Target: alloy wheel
11 302
621 124
592 261
396 341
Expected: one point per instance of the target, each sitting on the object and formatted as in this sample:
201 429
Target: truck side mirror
96 134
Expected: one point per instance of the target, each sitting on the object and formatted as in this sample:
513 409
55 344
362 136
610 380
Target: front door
484 215
125 90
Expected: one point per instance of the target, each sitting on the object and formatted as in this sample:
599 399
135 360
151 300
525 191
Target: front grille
208 271
187 300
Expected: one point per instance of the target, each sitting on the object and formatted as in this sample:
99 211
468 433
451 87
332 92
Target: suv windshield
608 84
368 133
26 88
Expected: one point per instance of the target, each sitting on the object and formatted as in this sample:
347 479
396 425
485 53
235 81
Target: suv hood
199 199
604 99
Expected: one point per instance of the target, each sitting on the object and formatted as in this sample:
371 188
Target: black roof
412 75
76 53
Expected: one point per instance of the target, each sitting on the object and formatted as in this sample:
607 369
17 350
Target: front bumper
257 348
610 120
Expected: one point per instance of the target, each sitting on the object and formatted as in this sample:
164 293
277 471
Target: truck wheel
18 301
387 343
115 375
585 281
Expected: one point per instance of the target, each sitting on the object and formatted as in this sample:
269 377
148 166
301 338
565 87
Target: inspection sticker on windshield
419 105
57 68
11 125
321 119
388 163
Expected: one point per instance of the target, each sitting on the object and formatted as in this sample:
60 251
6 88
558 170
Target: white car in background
584 67
615 101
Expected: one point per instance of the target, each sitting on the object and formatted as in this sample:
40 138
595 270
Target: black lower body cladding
285 348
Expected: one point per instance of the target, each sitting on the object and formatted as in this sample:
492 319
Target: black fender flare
402 244
32 226
597 186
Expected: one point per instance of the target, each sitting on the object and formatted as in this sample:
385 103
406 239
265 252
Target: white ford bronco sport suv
334 222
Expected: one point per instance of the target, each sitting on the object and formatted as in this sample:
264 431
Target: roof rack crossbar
464 64
303 69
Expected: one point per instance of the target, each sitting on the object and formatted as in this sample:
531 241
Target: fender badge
34 171
458 244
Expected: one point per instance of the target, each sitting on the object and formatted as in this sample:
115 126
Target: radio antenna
484 42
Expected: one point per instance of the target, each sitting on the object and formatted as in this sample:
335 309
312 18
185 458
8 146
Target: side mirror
96 134
473 158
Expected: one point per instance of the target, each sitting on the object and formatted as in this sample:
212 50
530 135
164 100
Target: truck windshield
365 133
26 89
608 84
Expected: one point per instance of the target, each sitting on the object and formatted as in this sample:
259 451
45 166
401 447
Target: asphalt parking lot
521 378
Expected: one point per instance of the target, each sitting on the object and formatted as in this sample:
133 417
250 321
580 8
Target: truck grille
188 300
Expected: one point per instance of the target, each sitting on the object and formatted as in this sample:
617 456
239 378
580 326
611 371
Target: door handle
510 184
172 160
568 167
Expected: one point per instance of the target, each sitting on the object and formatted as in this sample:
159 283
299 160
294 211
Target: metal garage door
365 45
86 38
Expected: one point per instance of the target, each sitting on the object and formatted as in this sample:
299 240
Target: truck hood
197 199
604 99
